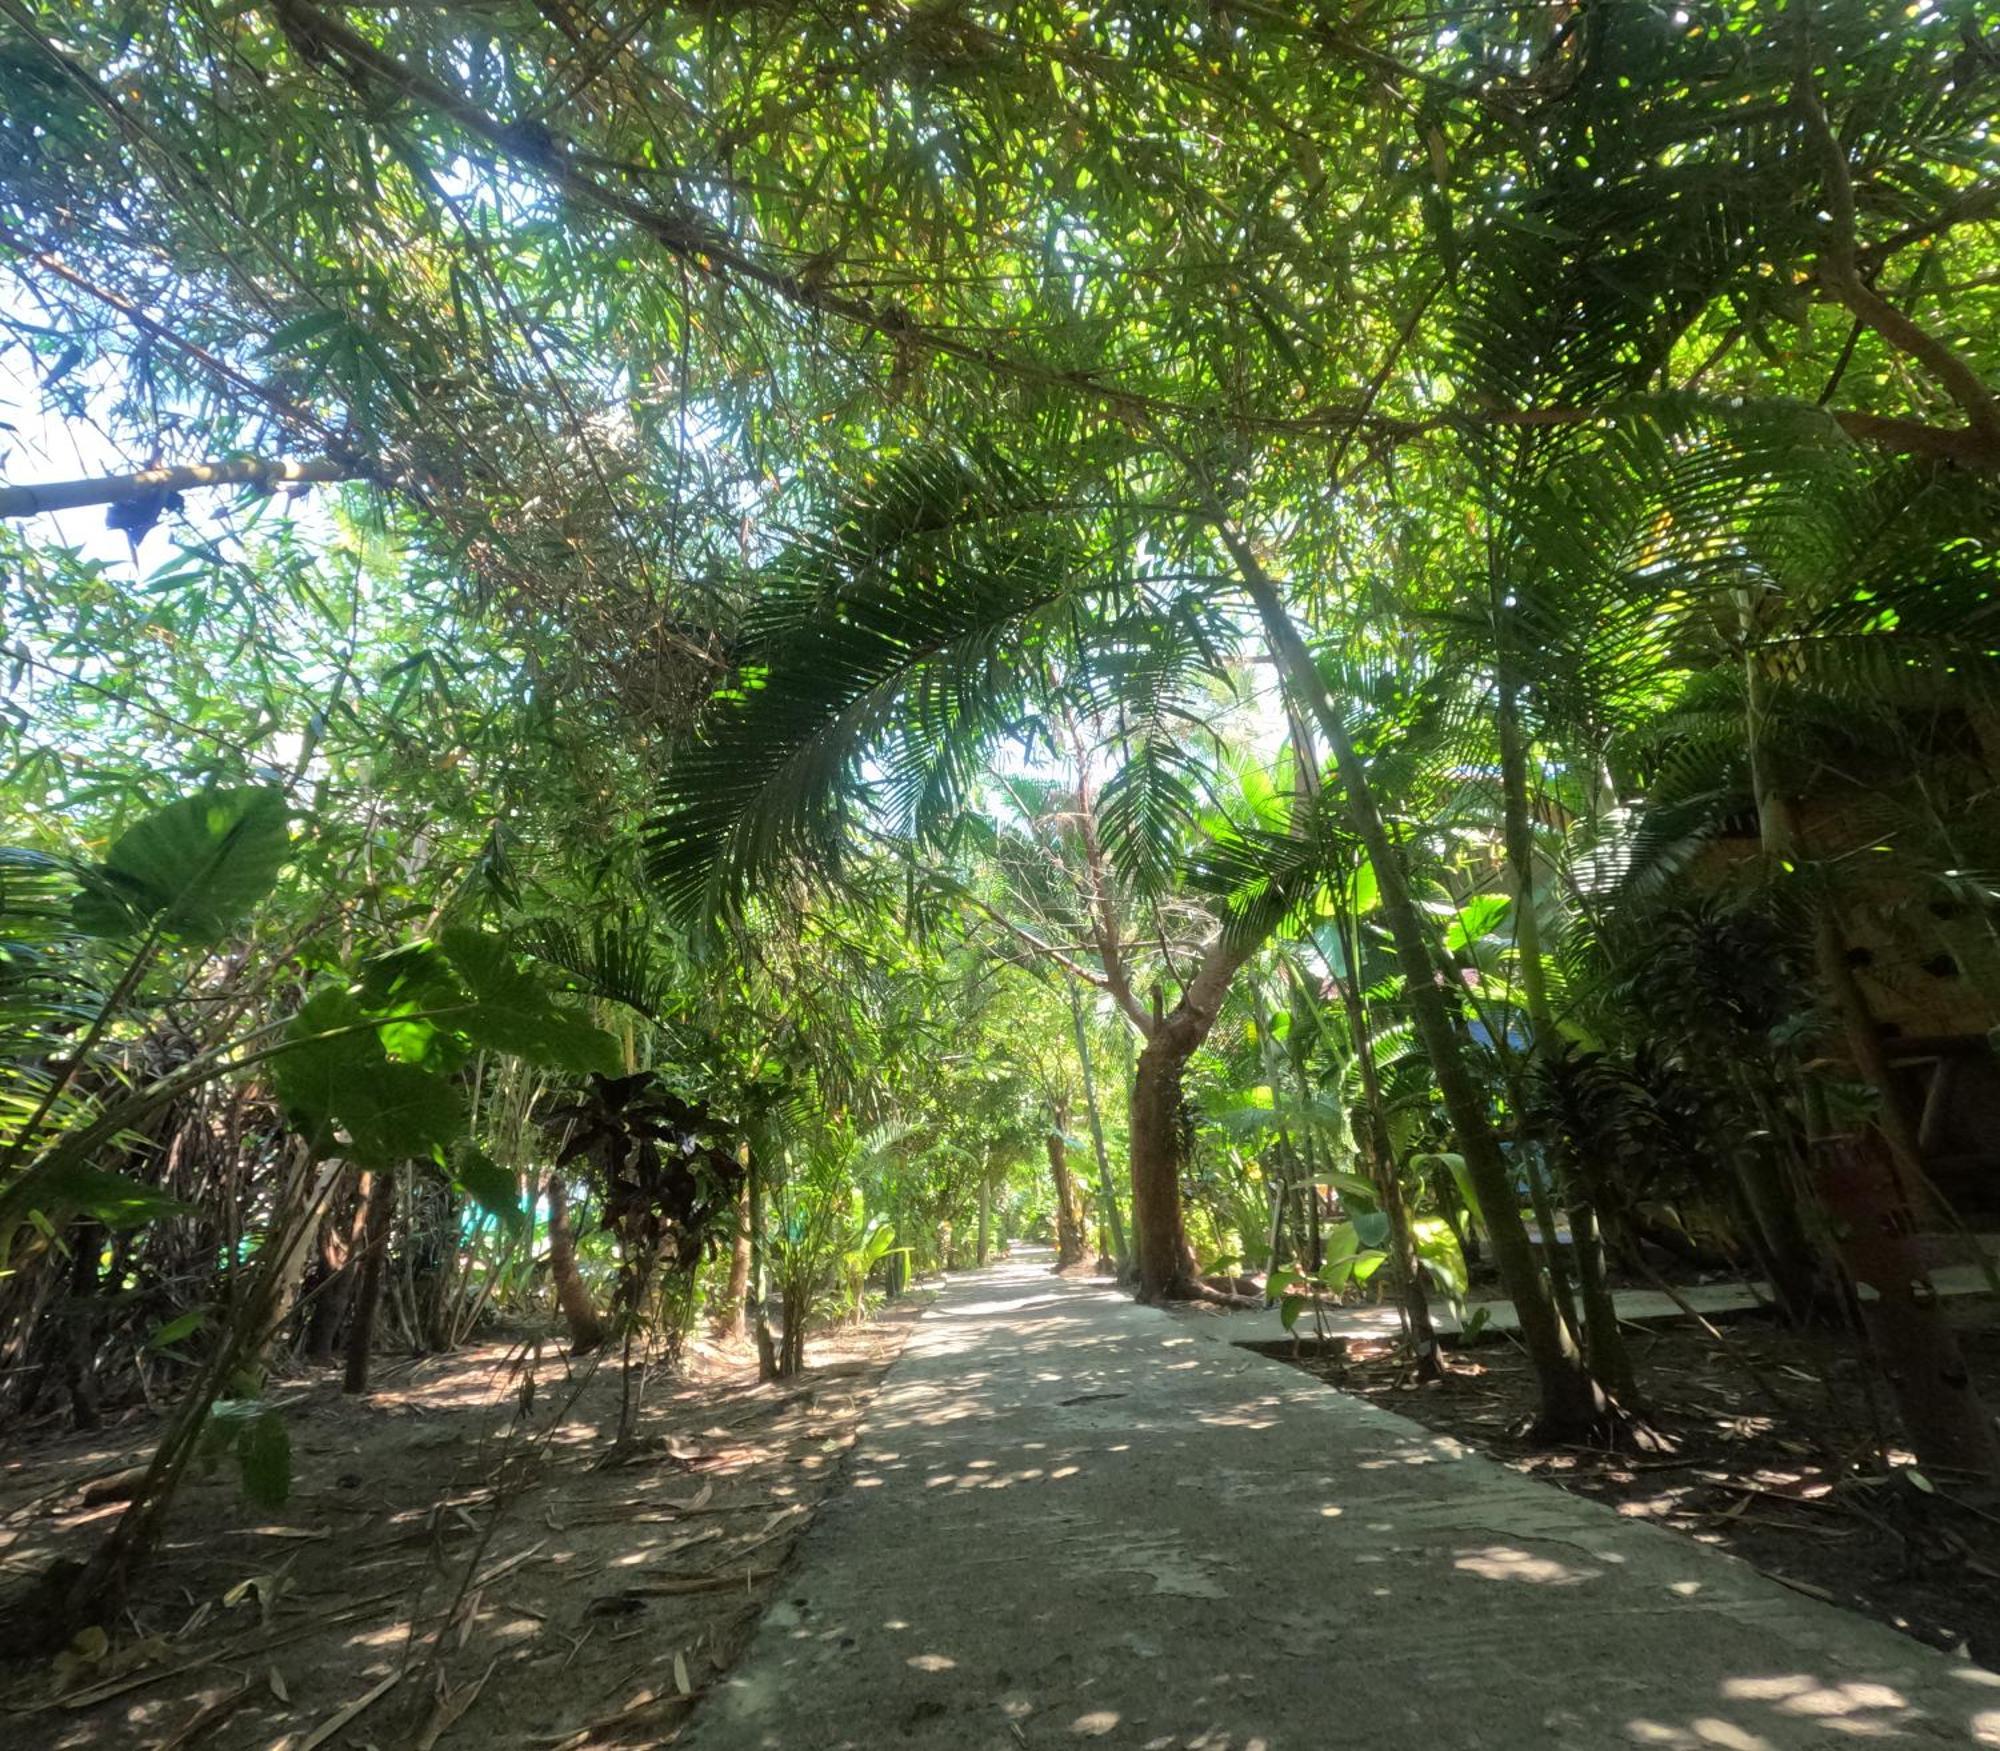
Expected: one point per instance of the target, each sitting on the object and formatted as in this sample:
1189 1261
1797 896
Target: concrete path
1070 1520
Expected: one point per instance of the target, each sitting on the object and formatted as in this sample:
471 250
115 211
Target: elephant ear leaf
194 869
336 1081
512 1012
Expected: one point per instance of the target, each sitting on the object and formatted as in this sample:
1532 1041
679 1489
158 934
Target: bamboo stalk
107 489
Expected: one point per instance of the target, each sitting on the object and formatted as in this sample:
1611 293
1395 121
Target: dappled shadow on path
1070 1520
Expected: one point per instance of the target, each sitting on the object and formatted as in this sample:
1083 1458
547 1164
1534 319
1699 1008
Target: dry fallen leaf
333 1723
278 1689
450 1705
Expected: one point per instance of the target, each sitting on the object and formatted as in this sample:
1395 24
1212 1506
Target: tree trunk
1166 1261
86 1241
368 1294
985 1243
339 1247
586 1330
1604 1347
1570 1403
760 1279
160 483
1070 1246
1774 1219
288 1281
95 1592
1378 1150
1274 1234
1604 1344
1106 1190
736 1298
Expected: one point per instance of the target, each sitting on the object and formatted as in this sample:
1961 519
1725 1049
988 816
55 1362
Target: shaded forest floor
462 1560
1768 1427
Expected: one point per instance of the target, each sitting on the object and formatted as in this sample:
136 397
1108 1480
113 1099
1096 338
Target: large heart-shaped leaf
511 1012
334 1078
194 869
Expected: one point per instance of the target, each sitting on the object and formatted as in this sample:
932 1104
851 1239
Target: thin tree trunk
1604 1347
586 1330
1379 1152
1570 1403
1774 1219
368 1295
1268 1055
1517 833
985 1244
1919 1355
760 1279
340 1244
1107 1191
95 1593
80 1343
735 1306
285 1272
1070 1248
160 483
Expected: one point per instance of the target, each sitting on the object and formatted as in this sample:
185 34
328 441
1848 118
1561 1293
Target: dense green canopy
919 621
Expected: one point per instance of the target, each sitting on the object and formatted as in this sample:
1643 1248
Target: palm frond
889 652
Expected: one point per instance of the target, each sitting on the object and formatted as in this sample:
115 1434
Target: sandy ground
463 1560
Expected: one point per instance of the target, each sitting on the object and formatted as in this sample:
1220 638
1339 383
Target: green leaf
510 1012
1352 1187
264 1454
404 1110
1437 1253
1477 918
194 869
1290 1308
174 1330
1461 1177
1371 1227
489 1185
105 1197
291 337
334 1077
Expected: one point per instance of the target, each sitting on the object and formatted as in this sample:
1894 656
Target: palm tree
951 605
